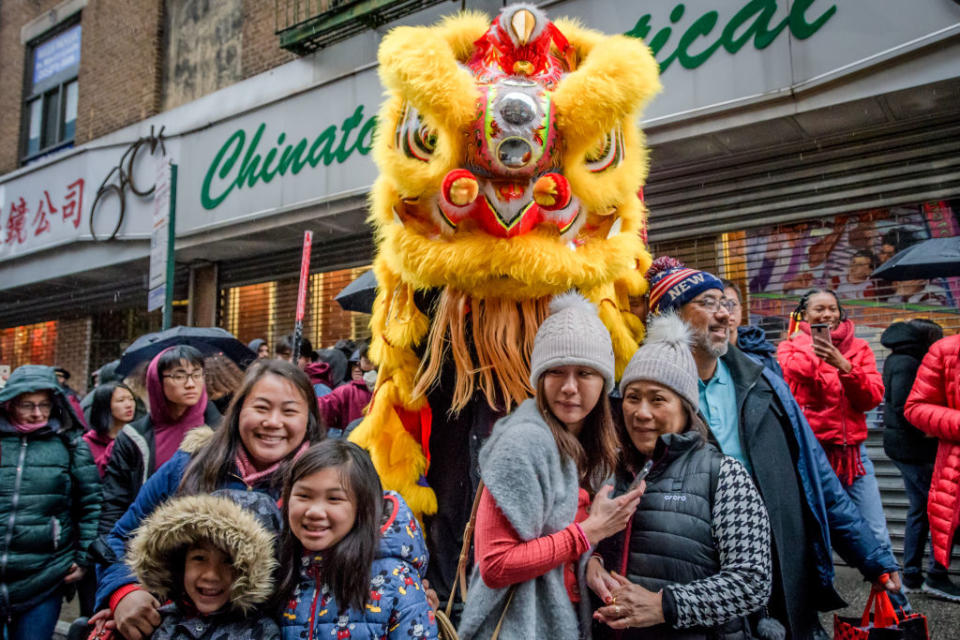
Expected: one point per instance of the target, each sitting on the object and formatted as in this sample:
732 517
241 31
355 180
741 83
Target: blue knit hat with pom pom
673 285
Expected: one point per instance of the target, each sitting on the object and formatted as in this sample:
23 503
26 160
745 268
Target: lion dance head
511 170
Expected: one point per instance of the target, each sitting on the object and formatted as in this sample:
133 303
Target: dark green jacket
49 496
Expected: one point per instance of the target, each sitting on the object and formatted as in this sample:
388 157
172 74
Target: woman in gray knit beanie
541 467
694 561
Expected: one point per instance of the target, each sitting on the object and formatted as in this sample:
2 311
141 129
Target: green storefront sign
239 162
750 22
332 145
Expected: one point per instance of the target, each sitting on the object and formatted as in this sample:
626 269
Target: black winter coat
902 441
132 462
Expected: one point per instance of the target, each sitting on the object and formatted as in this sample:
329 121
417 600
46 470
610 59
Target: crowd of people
701 496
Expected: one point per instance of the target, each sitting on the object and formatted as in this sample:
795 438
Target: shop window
51 92
29 344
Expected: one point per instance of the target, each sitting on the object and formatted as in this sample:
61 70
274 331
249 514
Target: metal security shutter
821 177
258 296
761 219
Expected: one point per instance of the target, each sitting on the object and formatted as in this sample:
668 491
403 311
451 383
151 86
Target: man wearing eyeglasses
753 417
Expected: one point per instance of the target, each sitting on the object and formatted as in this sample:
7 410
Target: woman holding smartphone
833 375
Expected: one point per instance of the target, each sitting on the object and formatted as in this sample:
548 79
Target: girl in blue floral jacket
340 520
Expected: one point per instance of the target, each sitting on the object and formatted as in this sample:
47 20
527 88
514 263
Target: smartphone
640 476
820 332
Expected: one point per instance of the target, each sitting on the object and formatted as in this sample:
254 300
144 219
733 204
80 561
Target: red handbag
884 624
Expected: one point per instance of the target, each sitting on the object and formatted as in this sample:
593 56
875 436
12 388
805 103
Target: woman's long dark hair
101 415
595 450
346 566
210 467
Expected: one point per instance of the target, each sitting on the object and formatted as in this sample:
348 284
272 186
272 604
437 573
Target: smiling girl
540 467
213 560
271 420
352 555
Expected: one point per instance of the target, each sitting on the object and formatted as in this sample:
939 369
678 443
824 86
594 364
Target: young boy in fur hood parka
212 557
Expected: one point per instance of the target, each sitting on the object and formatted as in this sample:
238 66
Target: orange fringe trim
494 357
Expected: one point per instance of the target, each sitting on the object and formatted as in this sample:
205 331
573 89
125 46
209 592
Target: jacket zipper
313 605
14 502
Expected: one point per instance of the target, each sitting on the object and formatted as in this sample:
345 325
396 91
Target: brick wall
73 351
14 15
120 66
260 49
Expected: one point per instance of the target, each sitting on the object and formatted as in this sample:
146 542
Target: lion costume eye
607 154
414 137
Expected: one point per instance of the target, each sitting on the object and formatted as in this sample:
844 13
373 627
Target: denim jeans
36 623
865 493
916 482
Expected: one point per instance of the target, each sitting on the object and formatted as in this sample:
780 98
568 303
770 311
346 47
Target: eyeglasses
30 407
713 304
181 378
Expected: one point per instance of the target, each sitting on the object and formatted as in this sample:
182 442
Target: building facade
796 144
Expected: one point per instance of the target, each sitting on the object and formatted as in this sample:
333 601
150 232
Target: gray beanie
572 334
665 358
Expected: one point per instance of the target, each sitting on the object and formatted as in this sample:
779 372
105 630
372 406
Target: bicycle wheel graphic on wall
110 204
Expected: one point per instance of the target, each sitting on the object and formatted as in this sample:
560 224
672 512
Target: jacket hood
401 536
753 339
244 532
33 377
902 337
319 372
337 362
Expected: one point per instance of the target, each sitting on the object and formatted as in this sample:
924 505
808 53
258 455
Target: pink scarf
28 428
167 432
249 473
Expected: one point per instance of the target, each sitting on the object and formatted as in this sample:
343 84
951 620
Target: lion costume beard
510 167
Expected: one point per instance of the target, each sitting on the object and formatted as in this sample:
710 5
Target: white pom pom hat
572 335
665 358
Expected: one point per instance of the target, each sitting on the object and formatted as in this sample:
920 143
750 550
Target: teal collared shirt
718 404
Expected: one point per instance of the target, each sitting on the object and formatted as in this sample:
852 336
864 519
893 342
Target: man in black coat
753 417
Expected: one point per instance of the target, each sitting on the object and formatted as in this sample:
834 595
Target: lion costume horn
510 167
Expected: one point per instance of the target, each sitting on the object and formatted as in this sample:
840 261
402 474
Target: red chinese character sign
38 216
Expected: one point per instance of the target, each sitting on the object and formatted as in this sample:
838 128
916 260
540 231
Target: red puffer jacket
934 407
833 402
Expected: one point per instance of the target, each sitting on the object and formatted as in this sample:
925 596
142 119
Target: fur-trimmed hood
244 532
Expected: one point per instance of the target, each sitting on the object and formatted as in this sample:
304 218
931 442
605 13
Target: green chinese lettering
322 148
366 132
699 29
343 151
799 27
248 169
233 146
765 8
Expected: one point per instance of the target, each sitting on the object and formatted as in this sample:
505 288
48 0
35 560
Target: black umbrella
934 258
359 294
207 340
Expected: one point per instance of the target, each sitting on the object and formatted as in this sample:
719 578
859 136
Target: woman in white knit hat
696 562
541 466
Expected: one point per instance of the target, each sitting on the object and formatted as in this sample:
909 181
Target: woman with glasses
178 403
49 503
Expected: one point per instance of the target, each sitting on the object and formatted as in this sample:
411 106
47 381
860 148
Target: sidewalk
943 618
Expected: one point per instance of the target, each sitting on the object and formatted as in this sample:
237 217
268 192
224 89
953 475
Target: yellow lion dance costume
510 171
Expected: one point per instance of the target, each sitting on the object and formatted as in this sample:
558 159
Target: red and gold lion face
510 166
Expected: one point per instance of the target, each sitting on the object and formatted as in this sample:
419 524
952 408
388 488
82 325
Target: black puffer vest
670 536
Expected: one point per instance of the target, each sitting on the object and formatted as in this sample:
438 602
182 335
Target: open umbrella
359 294
934 258
207 340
